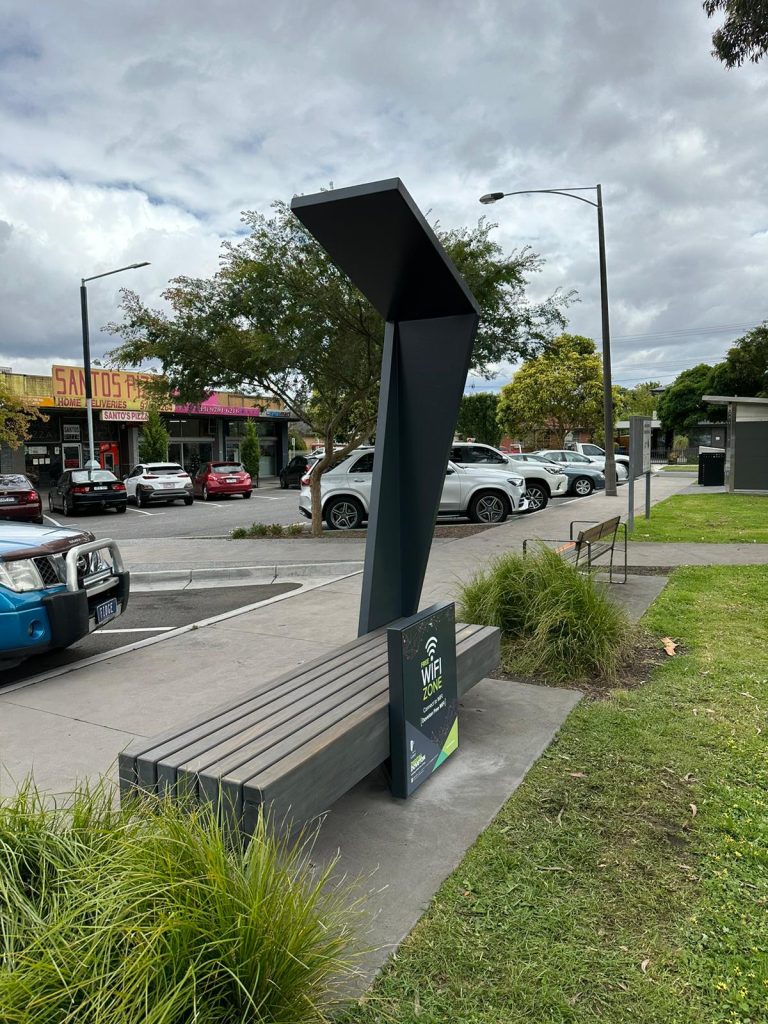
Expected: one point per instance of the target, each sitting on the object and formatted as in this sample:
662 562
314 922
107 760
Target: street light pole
87 352
610 455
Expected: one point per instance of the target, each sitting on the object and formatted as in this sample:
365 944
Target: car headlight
553 470
20 576
516 480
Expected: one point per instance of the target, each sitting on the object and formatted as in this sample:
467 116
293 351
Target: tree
153 443
250 451
280 318
561 389
744 371
16 414
680 407
743 34
637 401
297 441
477 417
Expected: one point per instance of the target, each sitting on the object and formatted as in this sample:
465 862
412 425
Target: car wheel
283 484
122 508
68 508
50 503
40 520
204 494
537 497
189 500
141 501
247 494
582 486
488 507
343 514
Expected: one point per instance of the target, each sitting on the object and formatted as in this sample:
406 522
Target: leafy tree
637 401
153 443
743 34
477 417
744 371
15 416
250 451
297 441
278 317
680 407
561 389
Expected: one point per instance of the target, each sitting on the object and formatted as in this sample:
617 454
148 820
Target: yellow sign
112 389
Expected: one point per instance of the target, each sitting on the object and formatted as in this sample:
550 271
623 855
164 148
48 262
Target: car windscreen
227 467
96 476
169 470
14 482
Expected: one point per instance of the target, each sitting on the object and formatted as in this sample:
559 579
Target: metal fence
668 457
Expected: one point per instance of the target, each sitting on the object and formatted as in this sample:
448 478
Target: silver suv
541 482
482 494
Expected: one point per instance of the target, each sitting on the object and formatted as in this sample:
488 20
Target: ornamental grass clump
152 914
554 620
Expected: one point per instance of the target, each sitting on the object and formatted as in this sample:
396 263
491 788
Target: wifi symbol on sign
431 646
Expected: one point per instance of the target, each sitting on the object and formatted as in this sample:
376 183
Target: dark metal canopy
378 236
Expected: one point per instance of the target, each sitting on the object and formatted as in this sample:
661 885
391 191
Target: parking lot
268 504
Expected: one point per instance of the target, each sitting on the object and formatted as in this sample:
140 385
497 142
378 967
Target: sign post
423 697
639 463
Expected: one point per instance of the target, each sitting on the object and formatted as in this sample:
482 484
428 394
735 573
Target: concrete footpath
73 726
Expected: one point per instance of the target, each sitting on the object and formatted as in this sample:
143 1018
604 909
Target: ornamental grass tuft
156 915
555 622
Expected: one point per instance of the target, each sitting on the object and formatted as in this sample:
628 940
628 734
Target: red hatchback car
19 500
220 480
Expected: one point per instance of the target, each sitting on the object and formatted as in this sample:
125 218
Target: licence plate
101 487
105 611
231 480
7 500
168 485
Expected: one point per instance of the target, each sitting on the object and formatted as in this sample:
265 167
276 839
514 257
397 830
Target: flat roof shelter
746 454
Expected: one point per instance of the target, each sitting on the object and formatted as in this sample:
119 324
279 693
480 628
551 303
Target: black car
290 475
80 489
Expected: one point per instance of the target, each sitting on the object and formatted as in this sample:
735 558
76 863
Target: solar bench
296 743
589 545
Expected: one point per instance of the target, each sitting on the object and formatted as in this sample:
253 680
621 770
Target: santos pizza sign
112 389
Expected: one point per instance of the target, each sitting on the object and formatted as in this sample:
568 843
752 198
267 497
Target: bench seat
296 743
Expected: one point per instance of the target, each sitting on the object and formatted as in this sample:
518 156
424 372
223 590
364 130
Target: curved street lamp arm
555 192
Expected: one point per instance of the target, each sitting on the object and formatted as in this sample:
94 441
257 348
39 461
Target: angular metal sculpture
376 235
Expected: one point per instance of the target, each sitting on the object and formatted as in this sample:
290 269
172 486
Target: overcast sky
140 130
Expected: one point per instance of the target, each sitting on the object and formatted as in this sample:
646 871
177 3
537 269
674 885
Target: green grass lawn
627 879
712 518
684 467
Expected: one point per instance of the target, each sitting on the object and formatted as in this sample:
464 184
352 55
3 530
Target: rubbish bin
712 469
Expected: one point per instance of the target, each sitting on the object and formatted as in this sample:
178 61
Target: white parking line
144 629
51 519
143 513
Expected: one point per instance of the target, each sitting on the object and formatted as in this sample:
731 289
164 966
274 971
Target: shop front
199 432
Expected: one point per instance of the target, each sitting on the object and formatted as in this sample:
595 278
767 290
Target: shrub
154 439
295 529
250 451
154 914
555 622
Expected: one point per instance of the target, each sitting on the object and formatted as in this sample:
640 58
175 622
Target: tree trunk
314 489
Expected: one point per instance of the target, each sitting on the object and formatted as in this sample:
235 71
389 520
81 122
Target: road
149 614
268 504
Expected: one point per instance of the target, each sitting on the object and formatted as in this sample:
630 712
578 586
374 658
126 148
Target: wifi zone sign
423 701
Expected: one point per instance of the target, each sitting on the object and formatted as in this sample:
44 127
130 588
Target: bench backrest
598 532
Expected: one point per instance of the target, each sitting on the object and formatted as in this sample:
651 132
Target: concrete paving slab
406 849
331 618
636 595
57 750
159 686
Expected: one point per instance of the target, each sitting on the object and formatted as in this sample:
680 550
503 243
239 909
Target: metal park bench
295 744
584 550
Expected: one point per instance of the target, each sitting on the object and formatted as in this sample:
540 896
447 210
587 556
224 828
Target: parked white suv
541 482
572 458
485 496
159 481
594 451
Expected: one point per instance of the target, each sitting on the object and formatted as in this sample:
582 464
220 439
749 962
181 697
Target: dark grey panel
751 456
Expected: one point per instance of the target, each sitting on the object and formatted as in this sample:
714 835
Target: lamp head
135 266
491 197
